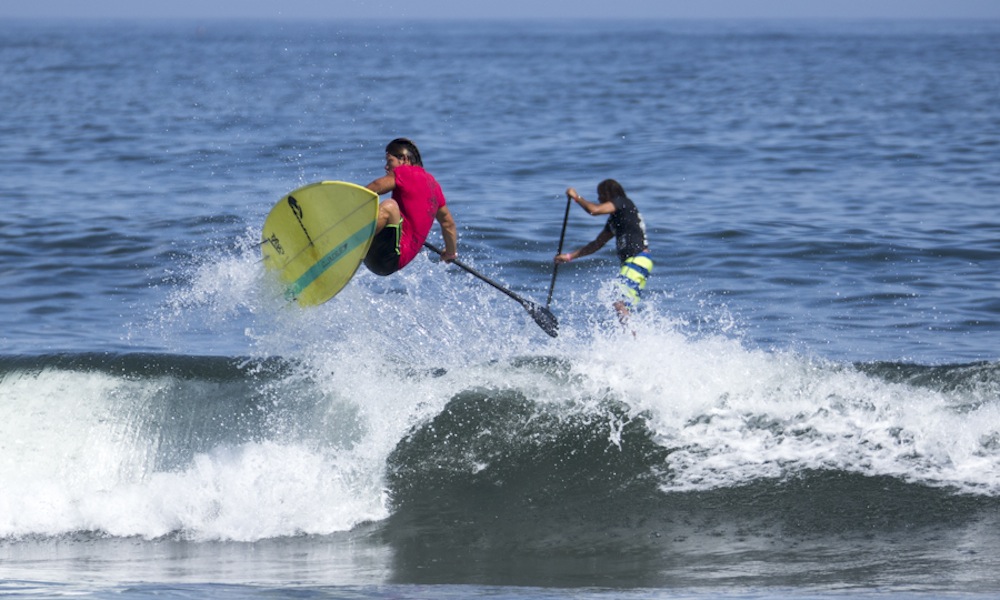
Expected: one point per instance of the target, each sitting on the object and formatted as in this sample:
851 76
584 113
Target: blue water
808 403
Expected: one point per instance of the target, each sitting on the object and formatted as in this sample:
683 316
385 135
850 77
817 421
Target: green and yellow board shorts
383 254
632 278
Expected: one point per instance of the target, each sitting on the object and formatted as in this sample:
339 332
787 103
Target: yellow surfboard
317 236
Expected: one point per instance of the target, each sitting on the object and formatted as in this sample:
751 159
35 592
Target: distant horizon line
492 18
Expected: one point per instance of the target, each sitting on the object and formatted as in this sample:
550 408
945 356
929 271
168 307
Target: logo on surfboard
276 244
297 211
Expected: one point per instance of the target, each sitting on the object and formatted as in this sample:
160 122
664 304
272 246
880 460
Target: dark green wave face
507 454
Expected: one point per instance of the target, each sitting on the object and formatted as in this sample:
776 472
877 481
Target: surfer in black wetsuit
625 224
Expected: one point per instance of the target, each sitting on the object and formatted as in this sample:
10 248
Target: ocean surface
807 404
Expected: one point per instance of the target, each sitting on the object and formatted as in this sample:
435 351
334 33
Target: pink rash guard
419 197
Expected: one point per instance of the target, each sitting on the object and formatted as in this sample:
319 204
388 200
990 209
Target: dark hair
609 188
402 148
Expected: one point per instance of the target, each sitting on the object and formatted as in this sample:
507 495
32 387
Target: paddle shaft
555 266
472 271
543 316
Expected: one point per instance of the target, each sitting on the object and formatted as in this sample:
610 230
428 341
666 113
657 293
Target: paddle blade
544 317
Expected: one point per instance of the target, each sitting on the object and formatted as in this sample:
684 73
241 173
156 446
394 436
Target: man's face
391 162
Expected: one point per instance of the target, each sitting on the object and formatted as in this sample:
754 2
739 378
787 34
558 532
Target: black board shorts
383 255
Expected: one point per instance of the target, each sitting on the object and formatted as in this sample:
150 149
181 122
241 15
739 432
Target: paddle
555 266
542 316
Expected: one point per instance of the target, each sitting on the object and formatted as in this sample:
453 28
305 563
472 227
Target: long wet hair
403 148
608 189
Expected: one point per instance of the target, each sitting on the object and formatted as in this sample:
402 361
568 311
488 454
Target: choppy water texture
806 405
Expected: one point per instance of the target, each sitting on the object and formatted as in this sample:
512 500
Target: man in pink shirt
405 219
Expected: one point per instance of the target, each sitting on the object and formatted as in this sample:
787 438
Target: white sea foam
85 450
732 415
